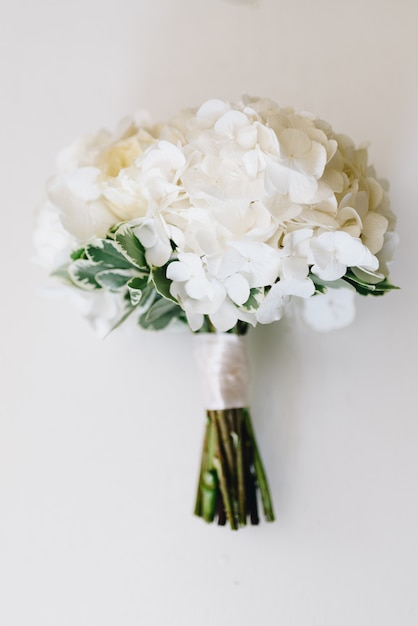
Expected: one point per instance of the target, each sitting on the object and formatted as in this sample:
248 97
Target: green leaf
148 296
114 280
107 254
131 247
80 253
130 309
322 285
104 259
160 314
385 285
136 288
319 288
254 300
366 289
162 283
145 298
83 274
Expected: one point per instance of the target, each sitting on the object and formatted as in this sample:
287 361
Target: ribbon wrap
223 366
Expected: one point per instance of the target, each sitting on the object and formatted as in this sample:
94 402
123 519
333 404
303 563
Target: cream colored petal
374 229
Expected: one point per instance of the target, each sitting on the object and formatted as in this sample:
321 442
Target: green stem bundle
231 471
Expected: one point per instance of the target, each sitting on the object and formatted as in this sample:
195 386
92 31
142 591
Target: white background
100 440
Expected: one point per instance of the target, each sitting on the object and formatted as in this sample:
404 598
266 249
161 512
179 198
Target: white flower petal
374 229
225 317
77 199
195 320
246 137
387 253
159 254
332 270
146 234
85 220
52 242
211 110
294 268
335 251
330 311
237 288
273 305
178 271
300 288
197 288
313 164
231 123
83 183
294 142
285 180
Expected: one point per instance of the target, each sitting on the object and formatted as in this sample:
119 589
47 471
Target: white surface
100 441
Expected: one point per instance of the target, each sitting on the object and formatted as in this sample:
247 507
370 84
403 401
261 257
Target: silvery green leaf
83 274
107 254
162 283
131 247
365 289
333 284
144 299
136 287
148 296
115 279
160 314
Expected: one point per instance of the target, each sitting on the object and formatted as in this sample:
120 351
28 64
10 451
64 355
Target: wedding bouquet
216 220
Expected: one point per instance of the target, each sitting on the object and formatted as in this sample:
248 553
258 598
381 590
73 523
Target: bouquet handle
231 472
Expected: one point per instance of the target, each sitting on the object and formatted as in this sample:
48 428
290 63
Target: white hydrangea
234 198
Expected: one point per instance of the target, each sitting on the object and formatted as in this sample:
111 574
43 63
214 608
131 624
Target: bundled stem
231 471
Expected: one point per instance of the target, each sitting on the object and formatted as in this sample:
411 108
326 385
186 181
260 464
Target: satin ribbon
223 366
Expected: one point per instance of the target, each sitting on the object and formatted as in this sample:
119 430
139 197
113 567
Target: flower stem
260 472
231 471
